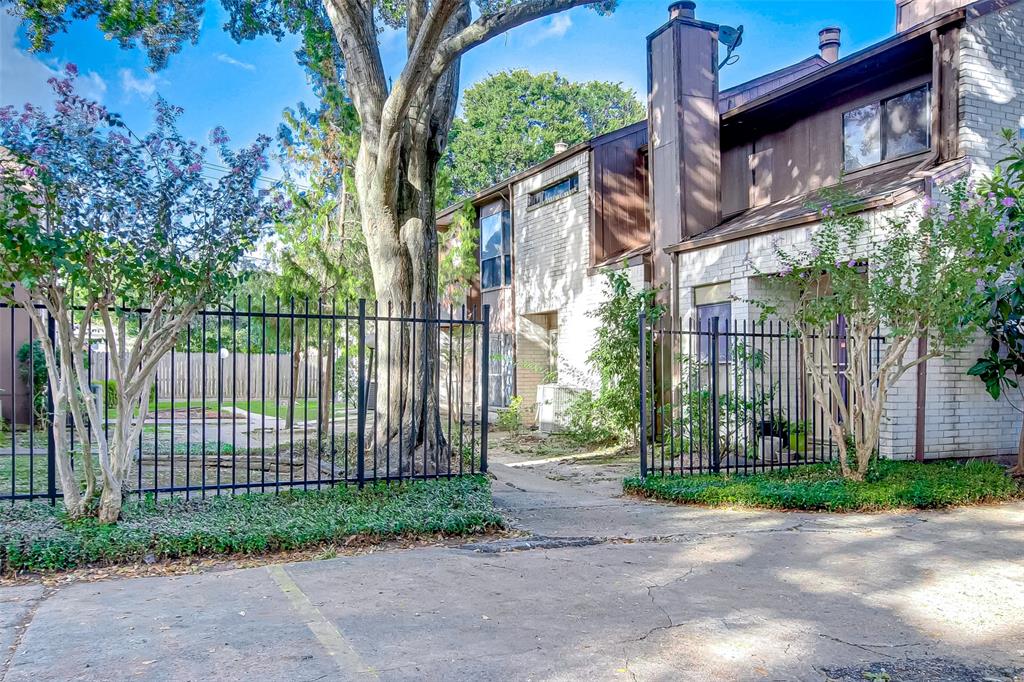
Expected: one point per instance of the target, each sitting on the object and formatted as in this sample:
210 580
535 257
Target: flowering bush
1001 368
95 218
915 274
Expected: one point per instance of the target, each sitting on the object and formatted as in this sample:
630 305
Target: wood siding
620 182
805 152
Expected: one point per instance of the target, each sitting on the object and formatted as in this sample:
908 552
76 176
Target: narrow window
495 247
555 190
862 140
906 126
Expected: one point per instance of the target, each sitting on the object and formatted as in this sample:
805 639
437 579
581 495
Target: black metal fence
734 396
265 396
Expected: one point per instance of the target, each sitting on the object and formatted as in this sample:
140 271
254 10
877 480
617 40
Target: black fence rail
734 396
263 396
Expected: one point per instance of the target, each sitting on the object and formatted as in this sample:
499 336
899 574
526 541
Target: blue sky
245 86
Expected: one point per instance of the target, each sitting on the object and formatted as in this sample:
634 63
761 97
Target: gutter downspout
515 317
922 341
936 108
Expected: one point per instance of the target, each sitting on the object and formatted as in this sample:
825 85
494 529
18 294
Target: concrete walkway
605 589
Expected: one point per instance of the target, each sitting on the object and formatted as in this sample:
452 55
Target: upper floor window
558 189
495 247
880 131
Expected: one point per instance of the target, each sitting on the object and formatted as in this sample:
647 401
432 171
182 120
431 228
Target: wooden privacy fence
233 376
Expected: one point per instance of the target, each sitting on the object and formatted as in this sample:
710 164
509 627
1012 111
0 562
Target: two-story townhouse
546 234
731 180
695 197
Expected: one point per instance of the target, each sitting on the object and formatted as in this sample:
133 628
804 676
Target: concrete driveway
606 589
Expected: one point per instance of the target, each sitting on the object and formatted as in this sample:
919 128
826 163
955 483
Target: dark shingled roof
888 186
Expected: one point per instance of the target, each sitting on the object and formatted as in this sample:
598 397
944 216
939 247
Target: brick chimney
683 122
828 43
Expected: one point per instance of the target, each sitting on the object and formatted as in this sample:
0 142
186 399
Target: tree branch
413 80
491 25
356 34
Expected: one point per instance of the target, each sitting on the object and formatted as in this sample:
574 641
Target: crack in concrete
530 543
22 627
654 602
871 648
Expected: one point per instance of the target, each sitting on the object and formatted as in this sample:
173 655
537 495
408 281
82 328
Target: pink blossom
195 167
1008 201
28 172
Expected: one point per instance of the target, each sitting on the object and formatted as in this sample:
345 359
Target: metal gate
731 396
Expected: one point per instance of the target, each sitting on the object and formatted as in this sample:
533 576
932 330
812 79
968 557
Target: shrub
612 412
510 418
32 371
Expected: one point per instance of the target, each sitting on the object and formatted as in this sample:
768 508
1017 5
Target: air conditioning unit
553 402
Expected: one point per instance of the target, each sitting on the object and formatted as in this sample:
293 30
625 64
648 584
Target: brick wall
961 419
991 83
552 251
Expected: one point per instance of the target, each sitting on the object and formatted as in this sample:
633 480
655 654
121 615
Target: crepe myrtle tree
96 218
404 127
1001 367
915 274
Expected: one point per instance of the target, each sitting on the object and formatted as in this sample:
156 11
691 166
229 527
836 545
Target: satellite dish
731 38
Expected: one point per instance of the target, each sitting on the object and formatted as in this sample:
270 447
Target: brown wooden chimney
683 122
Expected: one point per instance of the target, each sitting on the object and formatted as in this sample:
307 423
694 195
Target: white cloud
144 86
227 59
556 27
23 75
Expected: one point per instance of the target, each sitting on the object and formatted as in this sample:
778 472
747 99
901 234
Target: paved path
606 589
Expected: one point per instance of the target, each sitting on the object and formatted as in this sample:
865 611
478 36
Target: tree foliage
611 412
1001 367
512 120
96 218
404 123
906 275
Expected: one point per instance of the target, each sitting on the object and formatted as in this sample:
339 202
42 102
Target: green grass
30 473
305 410
37 537
888 485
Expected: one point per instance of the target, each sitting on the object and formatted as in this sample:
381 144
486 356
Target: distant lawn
37 537
888 485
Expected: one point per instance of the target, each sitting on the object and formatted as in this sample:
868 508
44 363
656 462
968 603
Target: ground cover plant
887 484
38 537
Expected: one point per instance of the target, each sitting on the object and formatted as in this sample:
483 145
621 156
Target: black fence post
361 398
643 394
716 455
51 444
485 368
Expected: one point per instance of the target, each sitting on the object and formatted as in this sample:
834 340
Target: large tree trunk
397 203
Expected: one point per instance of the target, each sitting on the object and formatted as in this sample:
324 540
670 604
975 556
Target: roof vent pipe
684 9
561 147
828 43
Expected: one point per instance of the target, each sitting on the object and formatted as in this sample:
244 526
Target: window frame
536 198
504 257
880 103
